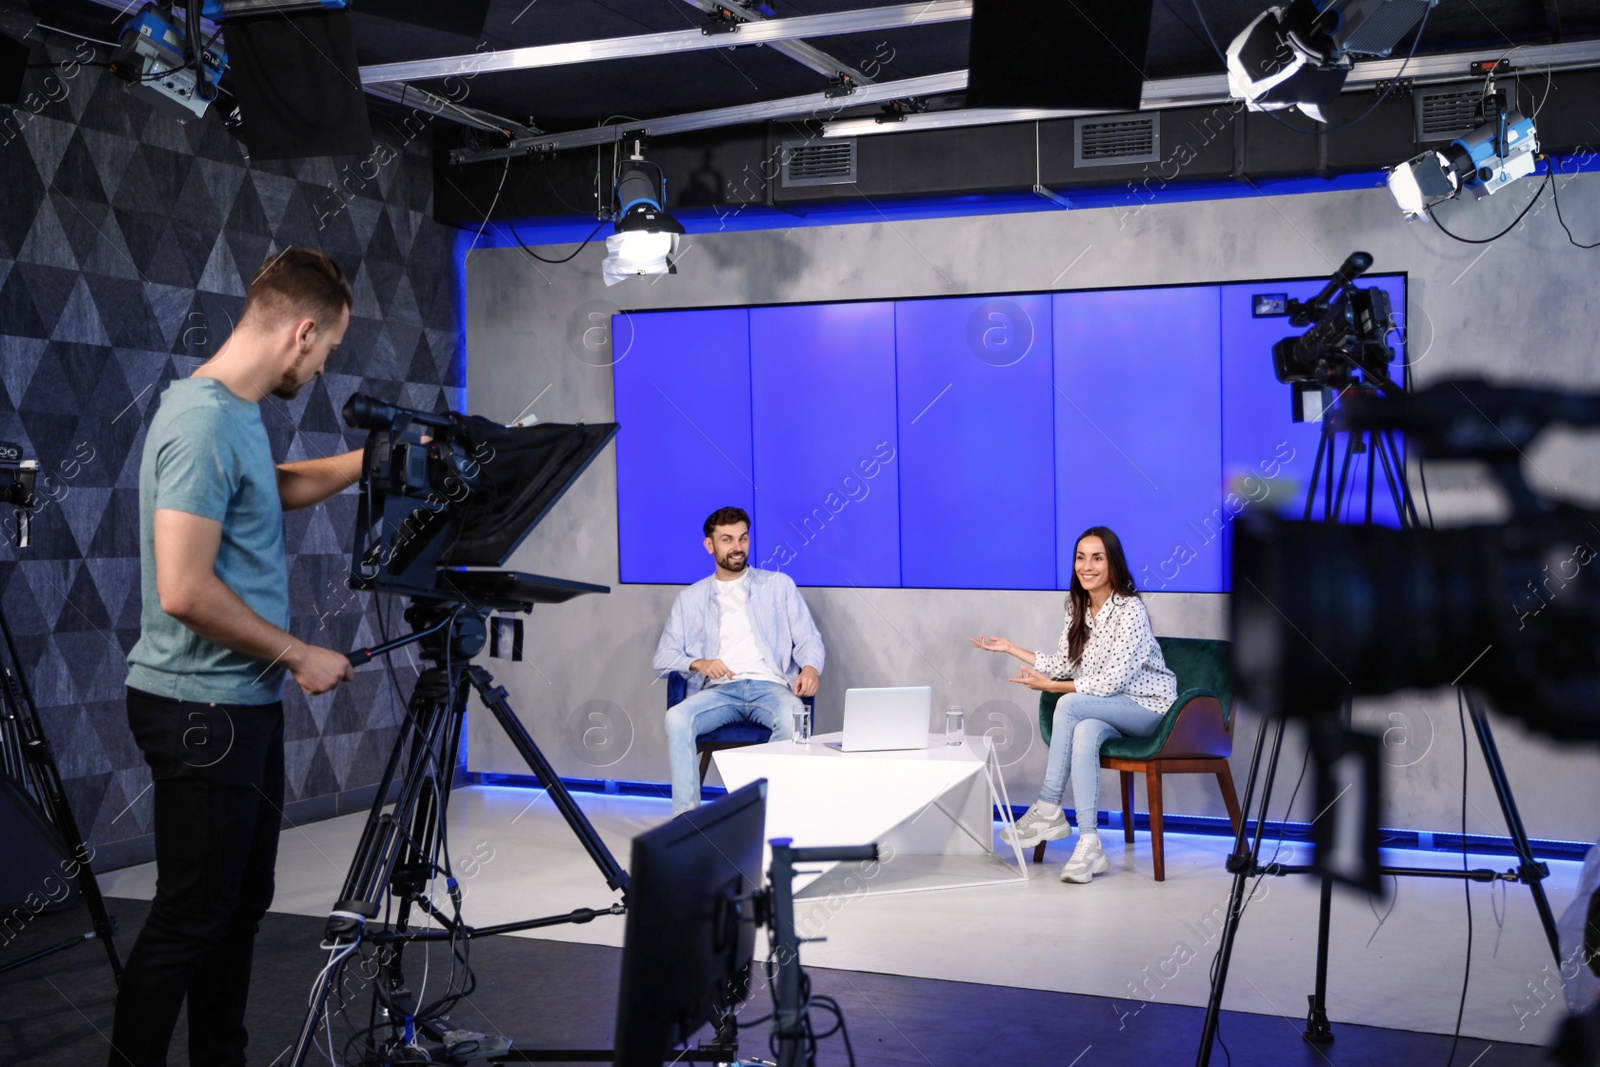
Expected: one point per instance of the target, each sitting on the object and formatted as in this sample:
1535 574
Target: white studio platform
930 811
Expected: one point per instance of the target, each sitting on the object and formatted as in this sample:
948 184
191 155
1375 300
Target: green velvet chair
1195 736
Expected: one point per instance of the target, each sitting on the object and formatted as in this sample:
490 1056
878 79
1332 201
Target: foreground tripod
399 849
26 757
1244 863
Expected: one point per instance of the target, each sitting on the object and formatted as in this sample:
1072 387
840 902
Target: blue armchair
733 735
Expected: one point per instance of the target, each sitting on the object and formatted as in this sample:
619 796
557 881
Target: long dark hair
1078 596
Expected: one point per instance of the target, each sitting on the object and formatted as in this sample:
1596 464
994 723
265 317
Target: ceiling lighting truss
673 42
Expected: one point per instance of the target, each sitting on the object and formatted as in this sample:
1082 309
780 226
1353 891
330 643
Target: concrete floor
1395 963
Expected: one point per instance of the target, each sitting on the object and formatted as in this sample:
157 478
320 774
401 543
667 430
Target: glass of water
955 725
802 725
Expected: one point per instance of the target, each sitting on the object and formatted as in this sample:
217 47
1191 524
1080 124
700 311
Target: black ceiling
577 96
562 98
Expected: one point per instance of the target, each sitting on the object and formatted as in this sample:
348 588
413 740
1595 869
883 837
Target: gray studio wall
1525 309
126 242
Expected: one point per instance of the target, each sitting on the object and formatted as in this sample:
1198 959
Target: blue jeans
768 703
1081 725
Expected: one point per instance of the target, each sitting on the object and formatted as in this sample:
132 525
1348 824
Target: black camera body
1347 335
18 476
1321 610
464 498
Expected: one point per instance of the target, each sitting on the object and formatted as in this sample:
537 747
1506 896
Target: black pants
218 784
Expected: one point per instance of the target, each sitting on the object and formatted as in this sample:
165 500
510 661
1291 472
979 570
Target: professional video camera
1511 609
467 497
1349 331
442 496
18 477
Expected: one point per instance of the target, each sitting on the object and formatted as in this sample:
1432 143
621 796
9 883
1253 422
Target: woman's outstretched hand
992 644
1035 681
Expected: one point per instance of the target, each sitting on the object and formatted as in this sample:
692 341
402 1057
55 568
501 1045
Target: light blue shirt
207 454
784 632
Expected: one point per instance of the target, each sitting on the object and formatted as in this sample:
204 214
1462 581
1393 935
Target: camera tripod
1244 863
25 755
399 849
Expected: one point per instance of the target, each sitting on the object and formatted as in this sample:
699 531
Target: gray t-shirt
207 454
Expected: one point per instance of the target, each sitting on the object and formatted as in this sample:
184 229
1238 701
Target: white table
929 810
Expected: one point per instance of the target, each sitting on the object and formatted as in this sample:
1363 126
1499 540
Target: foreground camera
1511 609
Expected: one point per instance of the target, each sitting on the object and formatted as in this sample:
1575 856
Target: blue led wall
964 442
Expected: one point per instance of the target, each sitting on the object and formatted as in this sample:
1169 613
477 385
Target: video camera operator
205 678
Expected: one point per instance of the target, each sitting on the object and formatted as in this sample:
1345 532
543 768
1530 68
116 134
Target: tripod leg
494 698
1372 470
1317 1030
1409 516
1530 870
1393 474
427 714
1324 442
47 780
1243 863
416 863
1332 512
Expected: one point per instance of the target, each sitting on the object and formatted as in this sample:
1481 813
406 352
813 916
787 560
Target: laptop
879 720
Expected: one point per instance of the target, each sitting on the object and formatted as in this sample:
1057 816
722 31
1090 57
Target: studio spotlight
1299 55
1491 157
646 237
168 64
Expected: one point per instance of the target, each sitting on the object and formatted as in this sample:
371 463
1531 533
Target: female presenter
1113 681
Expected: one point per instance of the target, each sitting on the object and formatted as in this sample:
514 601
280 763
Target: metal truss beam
673 42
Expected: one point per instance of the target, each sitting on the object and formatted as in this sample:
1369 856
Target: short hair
296 283
725 517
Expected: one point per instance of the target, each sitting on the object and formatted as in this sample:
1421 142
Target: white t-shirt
738 648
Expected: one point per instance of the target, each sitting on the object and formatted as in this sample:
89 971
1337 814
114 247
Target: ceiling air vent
1115 140
1447 113
820 162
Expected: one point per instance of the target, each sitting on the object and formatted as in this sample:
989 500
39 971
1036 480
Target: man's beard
288 388
727 562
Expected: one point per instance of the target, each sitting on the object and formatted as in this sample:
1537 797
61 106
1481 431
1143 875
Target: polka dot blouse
1121 656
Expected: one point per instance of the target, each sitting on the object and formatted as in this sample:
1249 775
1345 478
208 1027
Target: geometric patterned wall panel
126 242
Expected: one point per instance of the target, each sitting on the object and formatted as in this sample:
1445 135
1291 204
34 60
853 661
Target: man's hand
992 644
806 684
317 669
1039 683
711 668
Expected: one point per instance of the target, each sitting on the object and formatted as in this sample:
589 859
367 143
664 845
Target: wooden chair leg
1152 782
1038 852
1127 806
1229 797
705 764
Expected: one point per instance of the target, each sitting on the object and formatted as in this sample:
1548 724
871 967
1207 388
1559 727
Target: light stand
1244 863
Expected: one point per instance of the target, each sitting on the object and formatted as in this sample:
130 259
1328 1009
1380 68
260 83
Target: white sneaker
1088 860
1035 827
